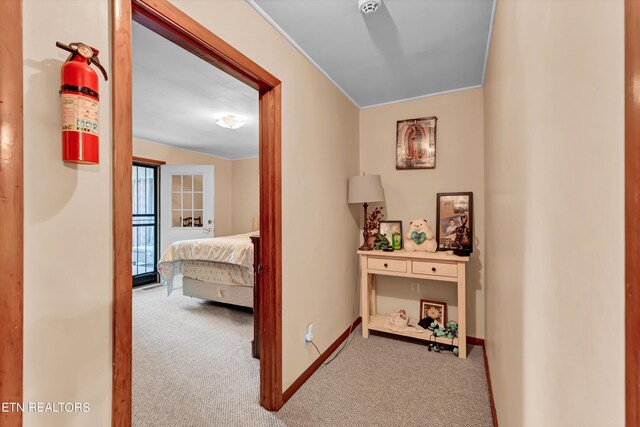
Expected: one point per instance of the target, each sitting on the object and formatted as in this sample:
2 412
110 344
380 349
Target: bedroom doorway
204 125
163 18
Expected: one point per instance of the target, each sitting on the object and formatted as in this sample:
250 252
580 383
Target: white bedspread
237 250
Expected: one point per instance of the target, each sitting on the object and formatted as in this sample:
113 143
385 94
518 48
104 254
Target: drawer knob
433 269
386 265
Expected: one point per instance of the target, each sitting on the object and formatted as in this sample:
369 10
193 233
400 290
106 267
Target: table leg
462 312
374 305
364 297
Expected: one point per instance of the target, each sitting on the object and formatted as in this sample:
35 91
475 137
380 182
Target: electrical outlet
308 335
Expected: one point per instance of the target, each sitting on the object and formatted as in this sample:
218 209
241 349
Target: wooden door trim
122 214
148 161
165 19
11 209
632 207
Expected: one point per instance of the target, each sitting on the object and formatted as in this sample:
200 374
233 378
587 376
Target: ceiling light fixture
230 122
368 6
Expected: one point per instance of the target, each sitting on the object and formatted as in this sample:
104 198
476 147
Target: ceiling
407 49
178 97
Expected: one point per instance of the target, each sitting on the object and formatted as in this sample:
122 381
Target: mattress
218 273
233 251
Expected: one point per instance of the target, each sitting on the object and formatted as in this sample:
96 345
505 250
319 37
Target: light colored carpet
192 367
382 382
192 364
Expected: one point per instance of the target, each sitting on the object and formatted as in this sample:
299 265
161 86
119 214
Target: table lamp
365 189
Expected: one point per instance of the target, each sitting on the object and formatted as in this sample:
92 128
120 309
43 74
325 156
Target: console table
417 265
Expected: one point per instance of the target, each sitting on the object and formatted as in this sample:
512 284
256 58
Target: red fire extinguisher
79 98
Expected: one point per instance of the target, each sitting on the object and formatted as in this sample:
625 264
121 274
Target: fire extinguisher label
79 113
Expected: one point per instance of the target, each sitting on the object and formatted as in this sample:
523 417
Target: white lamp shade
365 189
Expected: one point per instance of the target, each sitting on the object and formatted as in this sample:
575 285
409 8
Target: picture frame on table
416 143
437 310
389 228
454 216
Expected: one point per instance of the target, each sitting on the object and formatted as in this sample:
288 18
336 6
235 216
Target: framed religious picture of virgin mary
416 143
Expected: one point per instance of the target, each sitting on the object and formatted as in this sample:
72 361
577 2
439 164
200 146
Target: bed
217 269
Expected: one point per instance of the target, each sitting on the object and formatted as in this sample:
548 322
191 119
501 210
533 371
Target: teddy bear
420 237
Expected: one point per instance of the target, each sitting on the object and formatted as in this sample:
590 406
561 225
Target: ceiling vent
368 6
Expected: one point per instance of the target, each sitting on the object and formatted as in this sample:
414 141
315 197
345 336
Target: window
186 201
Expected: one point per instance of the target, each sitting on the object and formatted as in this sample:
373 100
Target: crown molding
444 92
284 34
489 36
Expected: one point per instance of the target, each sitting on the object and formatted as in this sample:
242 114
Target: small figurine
397 321
449 331
381 243
463 235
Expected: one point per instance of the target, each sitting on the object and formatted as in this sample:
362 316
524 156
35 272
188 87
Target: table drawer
396 265
434 268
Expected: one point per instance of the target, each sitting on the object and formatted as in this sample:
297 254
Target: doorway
187 208
144 251
165 19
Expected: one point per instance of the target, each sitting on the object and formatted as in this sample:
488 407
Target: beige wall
236 183
411 194
555 213
245 194
68 279
222 179
68 248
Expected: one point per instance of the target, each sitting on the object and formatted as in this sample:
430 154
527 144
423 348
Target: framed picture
392 230
416 143
434 309
455 221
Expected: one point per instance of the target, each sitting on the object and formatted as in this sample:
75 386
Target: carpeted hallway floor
192 367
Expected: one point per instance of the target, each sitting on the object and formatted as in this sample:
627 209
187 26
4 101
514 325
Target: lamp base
365 247
365 231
